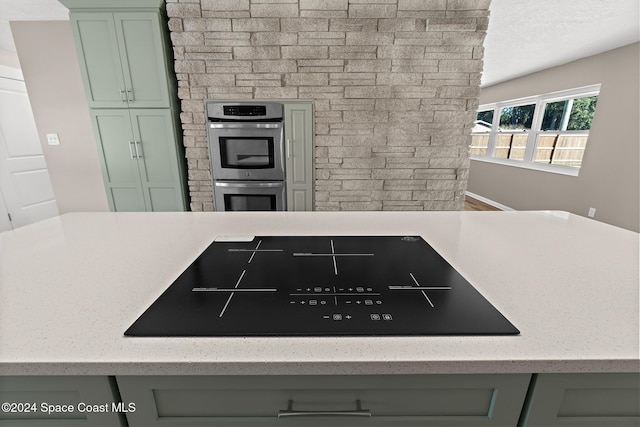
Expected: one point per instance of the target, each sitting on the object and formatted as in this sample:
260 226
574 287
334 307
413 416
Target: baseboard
488 201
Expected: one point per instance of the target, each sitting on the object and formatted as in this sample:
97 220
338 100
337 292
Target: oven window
249 202
247 152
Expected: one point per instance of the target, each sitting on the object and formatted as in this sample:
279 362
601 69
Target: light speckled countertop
71 285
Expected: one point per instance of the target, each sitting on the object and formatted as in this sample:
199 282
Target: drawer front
456 400
59 401
589 400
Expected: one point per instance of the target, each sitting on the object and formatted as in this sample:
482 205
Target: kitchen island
70 286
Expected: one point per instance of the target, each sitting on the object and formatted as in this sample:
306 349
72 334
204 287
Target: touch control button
375 317
387 317
337 317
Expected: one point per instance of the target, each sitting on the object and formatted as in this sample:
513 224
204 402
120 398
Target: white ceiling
523 36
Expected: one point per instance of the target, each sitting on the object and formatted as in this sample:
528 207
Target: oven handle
249 185
227 125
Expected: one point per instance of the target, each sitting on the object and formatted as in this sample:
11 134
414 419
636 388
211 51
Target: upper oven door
246 150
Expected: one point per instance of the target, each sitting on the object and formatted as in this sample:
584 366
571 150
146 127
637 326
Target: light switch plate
53 139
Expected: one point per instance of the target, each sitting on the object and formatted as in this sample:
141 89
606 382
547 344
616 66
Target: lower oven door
250 195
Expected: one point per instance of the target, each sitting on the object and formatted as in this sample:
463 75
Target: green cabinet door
122 59
158 159
118 160
140 159
144 65
298 122
99 58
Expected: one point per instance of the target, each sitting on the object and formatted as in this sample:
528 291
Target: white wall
52 75
609 177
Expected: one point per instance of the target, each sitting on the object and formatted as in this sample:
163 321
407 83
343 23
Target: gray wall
609 177
52 76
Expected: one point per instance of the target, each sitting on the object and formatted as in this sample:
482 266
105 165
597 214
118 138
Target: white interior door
5 224
24 178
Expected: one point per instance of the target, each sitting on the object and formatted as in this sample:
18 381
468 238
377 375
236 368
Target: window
547 132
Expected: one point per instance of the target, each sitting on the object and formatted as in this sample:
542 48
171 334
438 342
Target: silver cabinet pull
358 412
135 144
133 156
123 96
288 148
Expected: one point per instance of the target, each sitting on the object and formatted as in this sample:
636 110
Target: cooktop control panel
321 286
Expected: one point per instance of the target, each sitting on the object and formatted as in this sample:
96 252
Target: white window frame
540 102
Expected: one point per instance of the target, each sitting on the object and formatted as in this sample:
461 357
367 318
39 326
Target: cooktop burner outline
253 251
333 255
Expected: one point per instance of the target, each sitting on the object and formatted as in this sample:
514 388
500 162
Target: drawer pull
358 412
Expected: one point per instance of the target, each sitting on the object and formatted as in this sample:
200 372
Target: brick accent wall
395 85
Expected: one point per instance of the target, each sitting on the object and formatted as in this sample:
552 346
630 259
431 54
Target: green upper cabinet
298 130
122 59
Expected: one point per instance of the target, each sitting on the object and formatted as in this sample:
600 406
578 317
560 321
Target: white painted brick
324 4
305 52
399 78
187 39
262 52
422 4
256 24
353 52
353 24
376 39
401 24
372 10
274 10
206 24
366 65
392 195
273 39
183 10
323 13
225 5
304 24
468 4
307 79
276 92
367 92
460 66
275 66
395 52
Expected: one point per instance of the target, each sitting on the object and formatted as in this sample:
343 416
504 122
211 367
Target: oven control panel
245 110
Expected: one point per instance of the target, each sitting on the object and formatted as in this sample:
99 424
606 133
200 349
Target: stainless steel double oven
246 148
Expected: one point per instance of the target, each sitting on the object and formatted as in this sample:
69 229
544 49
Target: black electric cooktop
321 286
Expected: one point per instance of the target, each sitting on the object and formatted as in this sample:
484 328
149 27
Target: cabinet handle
123 96
135 144
288 148
358 412
133 156
130 95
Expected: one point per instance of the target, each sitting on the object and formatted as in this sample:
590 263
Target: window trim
540 102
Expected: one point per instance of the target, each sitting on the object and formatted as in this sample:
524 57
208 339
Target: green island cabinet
460 400
127 69
298 133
